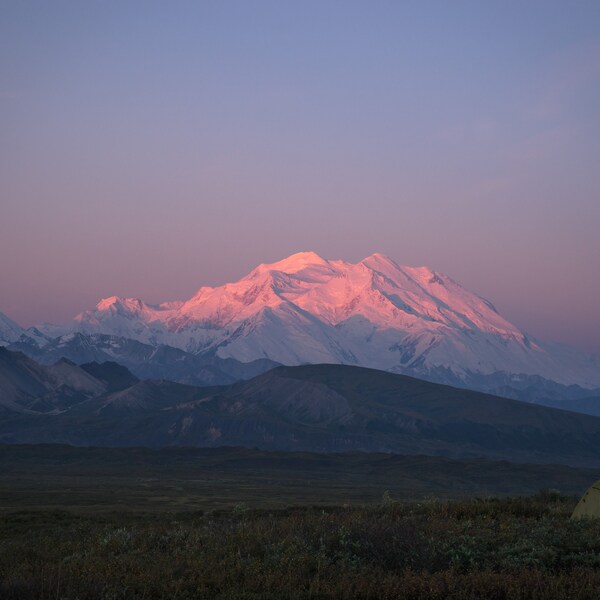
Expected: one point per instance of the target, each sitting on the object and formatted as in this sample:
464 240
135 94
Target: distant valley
109 479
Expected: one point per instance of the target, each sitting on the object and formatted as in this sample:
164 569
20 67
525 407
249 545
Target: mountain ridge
27 387
323 408
305 309
373 313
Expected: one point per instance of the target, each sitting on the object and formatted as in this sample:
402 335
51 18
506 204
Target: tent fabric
589 505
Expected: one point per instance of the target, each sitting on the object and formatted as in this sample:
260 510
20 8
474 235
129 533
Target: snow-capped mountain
375 313
9 330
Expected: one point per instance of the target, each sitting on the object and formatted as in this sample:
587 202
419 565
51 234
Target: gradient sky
149 148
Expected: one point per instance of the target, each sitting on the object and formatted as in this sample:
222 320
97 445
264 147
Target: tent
589 505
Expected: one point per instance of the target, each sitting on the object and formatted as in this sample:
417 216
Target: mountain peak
377 260
378 256
374 313
295 262
107 302
117 302
9 330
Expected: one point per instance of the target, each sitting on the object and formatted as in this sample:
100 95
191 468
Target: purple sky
149 149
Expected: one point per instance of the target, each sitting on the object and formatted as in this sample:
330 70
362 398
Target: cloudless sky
149 148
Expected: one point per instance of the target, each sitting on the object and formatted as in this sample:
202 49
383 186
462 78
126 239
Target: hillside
322 408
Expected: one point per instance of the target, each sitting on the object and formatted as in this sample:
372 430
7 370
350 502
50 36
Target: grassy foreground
494 548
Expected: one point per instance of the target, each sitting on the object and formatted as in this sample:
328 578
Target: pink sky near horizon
148 153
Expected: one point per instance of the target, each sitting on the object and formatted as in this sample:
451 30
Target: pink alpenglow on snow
374 313
223 134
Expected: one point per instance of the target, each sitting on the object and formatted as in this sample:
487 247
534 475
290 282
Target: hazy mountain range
306 309
324 408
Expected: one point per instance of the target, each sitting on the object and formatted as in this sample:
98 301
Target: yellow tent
589 505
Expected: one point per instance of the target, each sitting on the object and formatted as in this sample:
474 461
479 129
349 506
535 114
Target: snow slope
9 330
374 313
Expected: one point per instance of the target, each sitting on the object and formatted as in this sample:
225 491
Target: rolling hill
322 408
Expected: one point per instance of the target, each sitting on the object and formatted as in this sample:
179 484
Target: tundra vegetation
101 523
524 547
